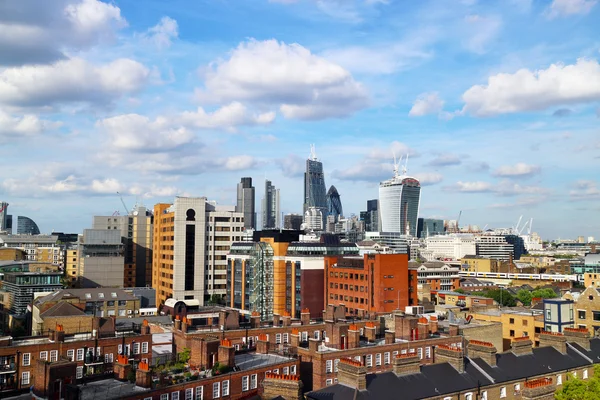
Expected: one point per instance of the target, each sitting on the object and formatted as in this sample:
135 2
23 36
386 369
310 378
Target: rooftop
92 294
108 389
254 360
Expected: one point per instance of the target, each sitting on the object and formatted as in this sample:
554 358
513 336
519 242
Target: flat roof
255 360
108 389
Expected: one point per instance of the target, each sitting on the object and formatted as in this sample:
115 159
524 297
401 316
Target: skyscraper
314 185
270 207
399 203
245 202
371 216
334 204
3 215
27 226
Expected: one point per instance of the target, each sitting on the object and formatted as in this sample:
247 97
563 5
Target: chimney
353 336
295 338
390 337
287 318
330 312
226 354
521 346
305 316
554 339
405 326
59 333
581 336
143 375
184 325
177 323
407 364
145 329
276 319
329 330
352 373
433 324
313 345
541 388
262 345
288 387
255 320
451 355
122 367
423 328
453 329
484 350
370 331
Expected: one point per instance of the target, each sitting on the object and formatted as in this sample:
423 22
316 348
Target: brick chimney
255 319
353 336
330 312
554 339
226 355
484 350
121 367
433 324
143 375
451 355
287 318
276 319
521 346
262 345
423 328
145 329
287 386
390 337
184 325
581 336
370 331
177 323
352 373
59 333
538 389
453 329
305 316
405 326
407 364
329 330
295 338
313 345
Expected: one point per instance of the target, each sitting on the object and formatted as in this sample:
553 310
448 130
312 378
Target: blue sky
496 102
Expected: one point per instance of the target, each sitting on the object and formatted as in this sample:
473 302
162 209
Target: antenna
313 152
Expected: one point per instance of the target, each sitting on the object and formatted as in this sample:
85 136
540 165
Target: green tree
577 389
546 293
524 296
184 356
459 290
503 297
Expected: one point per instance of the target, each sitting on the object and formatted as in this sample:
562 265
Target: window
548 315
26 359
378 359
71 355
511 333
144 347
420 353
25 378
175 395
216 390
524 322
226 388
79 373
517 388
278 338
43 355
469 396
585 374
293 370
574 374
328 366
245 383
136 348
120 349
286 338
80 354
122 313
484 395
54 356
164 396
254 379
329 382
200 393
369 361
316 335
503 392
108 357
581 314
386 358
511 320
427 352
596 315
558 380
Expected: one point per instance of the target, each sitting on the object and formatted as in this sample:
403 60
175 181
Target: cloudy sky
496 102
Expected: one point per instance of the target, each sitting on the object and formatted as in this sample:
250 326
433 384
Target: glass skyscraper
399 199
26 226
334 204
270 207
245 202
314 185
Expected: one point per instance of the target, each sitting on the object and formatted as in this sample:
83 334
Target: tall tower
270 207
314 185
399 199
3 215
245 202
334 203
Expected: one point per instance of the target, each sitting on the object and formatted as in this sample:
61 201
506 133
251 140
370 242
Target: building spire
313 152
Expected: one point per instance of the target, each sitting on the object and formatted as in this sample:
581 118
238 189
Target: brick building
437 274
373 284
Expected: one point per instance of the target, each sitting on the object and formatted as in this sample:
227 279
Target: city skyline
497 106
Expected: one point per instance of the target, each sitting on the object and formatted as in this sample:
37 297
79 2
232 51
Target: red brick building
373 284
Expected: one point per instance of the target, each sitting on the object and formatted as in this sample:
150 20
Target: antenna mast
313 152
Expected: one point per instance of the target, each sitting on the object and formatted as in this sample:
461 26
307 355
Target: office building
4 217
438 275
246 202
372 284
399 199
136 235
37 247
292 221
191 241
101 261
270 207
449 247
334 204
498 246
396 242
314 187
313 219
371 216
427 227
27 226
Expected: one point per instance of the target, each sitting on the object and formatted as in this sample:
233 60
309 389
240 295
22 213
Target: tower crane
123 202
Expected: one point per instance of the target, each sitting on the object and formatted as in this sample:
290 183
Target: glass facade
334 204
399 200
314 187
26 226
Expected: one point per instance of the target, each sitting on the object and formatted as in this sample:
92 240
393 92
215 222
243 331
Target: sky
496 104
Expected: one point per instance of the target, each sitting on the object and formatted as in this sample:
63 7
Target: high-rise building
3 216
334 204
136 236
191 241
101 261
270 207
427 227
399 203
246 203
313 219
314 186
370 217
26 226
292 221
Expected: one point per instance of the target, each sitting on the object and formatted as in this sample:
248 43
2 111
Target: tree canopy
502 297
578 389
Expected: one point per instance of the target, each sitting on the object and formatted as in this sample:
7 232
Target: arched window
190 215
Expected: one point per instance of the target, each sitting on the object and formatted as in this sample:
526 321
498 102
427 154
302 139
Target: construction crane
516 227
457 221
123 202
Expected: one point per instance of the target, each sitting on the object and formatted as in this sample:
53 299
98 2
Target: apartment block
72 264
192 238
480 264
438 275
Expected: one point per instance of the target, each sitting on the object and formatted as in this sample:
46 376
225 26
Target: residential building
72 264
292 221
372 284
399 199
270 207
436 274
586 309
26 226
101 261
334 204
34 245
136 236
427 227
192 238
558 314
314 187
476 285
246 202
472 263
397 242
516 322
449 247
10 254
502 247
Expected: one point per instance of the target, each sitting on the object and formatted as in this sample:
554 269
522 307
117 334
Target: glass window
245 383
26 359
329 382
369 360
54 356
79 372
175 395
79 354
189 394
558 379
378 359
71 355
199 392
164 396
335 364
216 390
329 366
386 358
226 388
503 392
144 347
43 355
254 379
25 378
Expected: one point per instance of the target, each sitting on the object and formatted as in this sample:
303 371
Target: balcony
8 368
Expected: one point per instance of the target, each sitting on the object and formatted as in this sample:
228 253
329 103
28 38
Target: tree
459 290
546 293
577 389
502 297
184 356
216 299
524 297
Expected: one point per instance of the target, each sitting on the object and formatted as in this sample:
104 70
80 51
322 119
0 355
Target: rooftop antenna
313 152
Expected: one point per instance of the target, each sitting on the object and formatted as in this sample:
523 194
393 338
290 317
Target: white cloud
73 80
564 8
517 170
480 31
528 90
471 187
26 125
292 166
41 31
503 188
227 117
237 163
163 33
426 103
396 148
303 85
585 190
429 178
444 160
108 185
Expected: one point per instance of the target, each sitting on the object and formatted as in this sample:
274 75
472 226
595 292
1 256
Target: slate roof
91 294
62 309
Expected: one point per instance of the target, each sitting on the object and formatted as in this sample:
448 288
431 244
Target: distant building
399 199
270 207
314 187
27 226
436 274
502 247
101 261
397 242
313 219
334 204
473 263
558 314
37 247
246 202
4 217
587 309
371 216
427 227
453 247
292 221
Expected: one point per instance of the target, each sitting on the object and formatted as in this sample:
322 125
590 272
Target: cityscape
299 200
